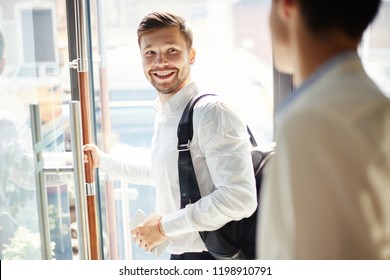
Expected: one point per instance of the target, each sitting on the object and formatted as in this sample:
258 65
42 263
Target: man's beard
173 87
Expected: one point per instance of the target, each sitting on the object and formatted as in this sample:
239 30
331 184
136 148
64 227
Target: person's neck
315 51
165 96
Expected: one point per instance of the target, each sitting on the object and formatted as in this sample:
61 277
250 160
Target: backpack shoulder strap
185 129
189 189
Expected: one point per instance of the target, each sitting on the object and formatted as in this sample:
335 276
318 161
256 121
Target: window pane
375 49
33 43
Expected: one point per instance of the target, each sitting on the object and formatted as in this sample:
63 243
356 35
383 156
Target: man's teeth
163 73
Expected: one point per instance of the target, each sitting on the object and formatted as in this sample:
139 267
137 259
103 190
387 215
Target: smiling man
220 145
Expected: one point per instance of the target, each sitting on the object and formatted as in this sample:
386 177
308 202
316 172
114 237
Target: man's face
166 59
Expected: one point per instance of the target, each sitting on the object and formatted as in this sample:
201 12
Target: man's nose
159 59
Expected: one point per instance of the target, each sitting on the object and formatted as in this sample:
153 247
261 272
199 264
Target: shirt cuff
176 223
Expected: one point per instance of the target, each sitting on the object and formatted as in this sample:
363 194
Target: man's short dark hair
351 16
159 20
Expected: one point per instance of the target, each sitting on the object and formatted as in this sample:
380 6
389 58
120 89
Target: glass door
33 55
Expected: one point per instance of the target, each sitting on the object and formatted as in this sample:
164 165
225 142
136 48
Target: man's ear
286 7
192 55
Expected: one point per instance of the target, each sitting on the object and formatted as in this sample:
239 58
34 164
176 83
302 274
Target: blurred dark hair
159 20
351 16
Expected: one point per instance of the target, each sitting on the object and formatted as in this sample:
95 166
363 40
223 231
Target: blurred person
327 195
16 166
9 100
220 145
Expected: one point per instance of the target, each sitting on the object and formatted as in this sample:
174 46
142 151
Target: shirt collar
320 72
181 98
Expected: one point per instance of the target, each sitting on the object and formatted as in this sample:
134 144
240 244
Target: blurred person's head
350 16
303 27
2 52
165 43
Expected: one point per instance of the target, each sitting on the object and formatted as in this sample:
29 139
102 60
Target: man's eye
172 51
149 53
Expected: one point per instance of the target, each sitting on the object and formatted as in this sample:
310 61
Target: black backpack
236 239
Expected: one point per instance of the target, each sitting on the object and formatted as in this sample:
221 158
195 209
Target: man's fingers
143 244
89 147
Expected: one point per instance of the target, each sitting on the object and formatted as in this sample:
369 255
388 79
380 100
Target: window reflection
31 75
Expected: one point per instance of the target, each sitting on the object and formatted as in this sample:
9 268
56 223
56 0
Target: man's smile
163 74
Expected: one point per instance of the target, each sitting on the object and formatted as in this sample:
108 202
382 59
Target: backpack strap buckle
184 147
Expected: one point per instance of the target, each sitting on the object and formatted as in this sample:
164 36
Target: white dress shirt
327 195
220 151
